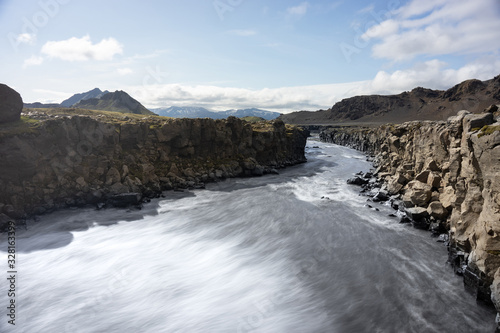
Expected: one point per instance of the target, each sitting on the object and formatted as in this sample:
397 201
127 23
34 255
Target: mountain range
200 112
417 104
120 101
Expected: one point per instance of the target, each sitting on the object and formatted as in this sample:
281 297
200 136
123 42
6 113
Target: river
294 252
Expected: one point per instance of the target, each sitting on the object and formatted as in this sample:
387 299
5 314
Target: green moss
252 119
494 252
22 126
487 130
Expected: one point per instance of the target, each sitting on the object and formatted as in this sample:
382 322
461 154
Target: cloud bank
433 74
437 27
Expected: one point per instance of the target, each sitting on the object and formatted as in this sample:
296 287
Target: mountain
94 93
118 101
418 104
268 115
200 112
185 112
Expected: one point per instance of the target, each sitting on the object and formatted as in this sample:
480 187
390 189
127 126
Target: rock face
450 171
76 160
417 104
11 104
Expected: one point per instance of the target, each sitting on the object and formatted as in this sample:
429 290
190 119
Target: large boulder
437 210
477 121
11 104
417 194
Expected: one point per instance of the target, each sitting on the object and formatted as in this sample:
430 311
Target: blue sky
222 54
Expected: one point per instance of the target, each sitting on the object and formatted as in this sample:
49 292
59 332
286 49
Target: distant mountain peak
200 112
76 98
118 101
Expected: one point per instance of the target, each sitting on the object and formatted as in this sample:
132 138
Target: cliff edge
447 173
70 157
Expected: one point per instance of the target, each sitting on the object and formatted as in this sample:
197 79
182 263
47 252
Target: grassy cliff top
32 118
98 114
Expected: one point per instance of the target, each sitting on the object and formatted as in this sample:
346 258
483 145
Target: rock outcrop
449 173
11 104
71 160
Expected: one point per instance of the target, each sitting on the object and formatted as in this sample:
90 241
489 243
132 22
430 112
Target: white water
246 255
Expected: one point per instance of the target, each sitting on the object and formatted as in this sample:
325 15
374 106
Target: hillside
418 104
38 105
118 101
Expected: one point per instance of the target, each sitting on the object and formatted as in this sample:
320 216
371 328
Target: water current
294 252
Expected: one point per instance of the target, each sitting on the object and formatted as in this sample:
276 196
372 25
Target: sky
231 54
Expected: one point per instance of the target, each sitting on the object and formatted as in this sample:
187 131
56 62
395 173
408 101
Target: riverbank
306 255
63 158
447 173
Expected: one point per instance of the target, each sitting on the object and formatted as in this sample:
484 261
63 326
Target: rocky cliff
447 173
64 159
417 104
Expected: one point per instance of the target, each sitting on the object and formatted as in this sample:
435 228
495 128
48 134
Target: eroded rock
11 104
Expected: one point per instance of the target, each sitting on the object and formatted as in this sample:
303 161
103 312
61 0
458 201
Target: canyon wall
54 161
448 172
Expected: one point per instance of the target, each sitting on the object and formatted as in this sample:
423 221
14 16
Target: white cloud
243 33
284 99
438 27
124 71
82 49
434 74
26 38
299 10
33 61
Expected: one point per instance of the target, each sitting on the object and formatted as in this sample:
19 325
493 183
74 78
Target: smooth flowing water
295 252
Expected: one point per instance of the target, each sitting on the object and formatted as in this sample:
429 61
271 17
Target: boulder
423 176
258 171
448 197
125 200
417 193
357 181
419 217
434 180
437 210
491 109
477 121
417 213
11 104
381 196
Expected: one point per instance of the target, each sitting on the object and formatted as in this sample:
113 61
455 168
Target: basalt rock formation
11 104
417 104
65 159
449 170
